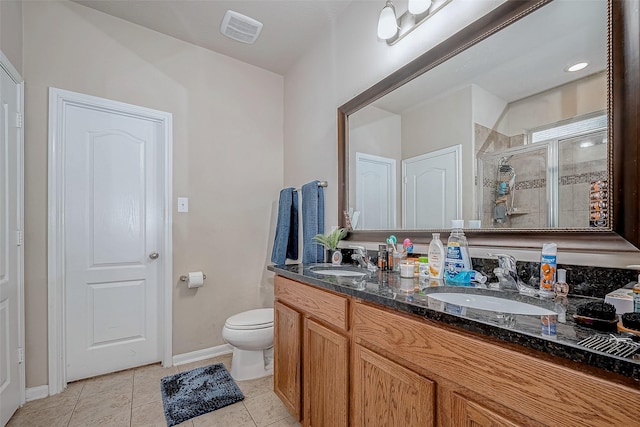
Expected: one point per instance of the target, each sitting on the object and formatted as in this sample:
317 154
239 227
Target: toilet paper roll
196 279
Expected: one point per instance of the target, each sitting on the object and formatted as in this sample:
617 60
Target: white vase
336 257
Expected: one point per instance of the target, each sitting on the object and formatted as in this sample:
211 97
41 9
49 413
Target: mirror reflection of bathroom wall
532 134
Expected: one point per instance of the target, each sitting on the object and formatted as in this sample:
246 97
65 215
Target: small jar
406 269
398 259
423 266
636 298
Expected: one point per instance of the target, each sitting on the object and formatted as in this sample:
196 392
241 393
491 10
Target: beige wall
343 63
228 132
579 97
380 136
11 31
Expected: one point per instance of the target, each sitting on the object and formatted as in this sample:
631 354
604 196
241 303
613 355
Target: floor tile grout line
249 412
75 405
133 384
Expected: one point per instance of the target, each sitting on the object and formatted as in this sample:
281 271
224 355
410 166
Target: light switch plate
183 204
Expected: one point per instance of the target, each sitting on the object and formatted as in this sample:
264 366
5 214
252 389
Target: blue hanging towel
312 222
285 244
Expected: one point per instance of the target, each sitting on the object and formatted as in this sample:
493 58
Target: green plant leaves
331 240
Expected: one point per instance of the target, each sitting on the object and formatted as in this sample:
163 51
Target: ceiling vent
240 27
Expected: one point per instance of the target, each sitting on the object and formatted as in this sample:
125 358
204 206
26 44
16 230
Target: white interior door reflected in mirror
431 193
376 192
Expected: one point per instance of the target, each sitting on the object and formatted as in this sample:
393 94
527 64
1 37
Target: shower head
504 166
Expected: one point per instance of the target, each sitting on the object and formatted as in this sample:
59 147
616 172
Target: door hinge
19 120
19 237
20 355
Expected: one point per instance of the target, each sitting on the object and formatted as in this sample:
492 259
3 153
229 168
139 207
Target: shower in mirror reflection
571 155
505 187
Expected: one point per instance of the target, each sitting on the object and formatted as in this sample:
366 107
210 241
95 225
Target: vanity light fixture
387 22
392 28
416 7
577 67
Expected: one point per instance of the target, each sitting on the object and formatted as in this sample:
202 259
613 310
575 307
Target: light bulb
387 23
416 7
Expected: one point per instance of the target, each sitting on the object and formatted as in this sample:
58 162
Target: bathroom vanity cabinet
311 353
363 364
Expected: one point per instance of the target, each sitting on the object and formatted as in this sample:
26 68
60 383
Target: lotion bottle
436 257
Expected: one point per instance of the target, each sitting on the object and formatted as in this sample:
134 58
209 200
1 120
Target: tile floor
132 399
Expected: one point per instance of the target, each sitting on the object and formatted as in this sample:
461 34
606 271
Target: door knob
154 255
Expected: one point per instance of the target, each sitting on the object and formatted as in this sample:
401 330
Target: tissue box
622 300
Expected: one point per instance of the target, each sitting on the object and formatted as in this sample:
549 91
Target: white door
375 192
431 195
11 383
112 237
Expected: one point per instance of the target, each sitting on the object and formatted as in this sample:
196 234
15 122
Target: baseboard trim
35 393
205 353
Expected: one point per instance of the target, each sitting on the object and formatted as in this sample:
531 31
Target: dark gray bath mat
189 394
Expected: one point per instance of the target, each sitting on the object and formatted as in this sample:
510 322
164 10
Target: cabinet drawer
322 305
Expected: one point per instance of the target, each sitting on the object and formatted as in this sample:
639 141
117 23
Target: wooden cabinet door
387 394
287 363
326 377
467 413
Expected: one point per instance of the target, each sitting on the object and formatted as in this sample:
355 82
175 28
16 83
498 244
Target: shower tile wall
579 166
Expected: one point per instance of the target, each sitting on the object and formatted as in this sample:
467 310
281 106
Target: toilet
250 333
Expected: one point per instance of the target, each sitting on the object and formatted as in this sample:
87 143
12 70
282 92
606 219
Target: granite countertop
413 296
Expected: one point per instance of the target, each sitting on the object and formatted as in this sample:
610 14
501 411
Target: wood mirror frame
624 129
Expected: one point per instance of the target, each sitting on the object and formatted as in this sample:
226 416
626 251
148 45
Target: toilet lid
254 319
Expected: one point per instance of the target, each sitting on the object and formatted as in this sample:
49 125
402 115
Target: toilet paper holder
185 278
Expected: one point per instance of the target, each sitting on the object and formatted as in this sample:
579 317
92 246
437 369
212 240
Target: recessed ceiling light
577 67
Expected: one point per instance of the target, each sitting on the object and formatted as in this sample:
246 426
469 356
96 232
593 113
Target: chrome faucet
507 273
363 259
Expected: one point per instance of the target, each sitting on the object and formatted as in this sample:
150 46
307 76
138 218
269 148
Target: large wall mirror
494 127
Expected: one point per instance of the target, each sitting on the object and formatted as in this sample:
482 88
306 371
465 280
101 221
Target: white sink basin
341 273
489 303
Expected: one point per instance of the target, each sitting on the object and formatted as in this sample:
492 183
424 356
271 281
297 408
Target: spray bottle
548 265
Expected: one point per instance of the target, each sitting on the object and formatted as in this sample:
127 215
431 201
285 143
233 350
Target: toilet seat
250 320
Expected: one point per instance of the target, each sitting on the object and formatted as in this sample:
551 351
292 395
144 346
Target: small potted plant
330 242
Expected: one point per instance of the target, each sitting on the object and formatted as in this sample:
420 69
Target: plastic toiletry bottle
457 257
382 257
476 276
561 287
423 265
636 296
548 270
436 257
